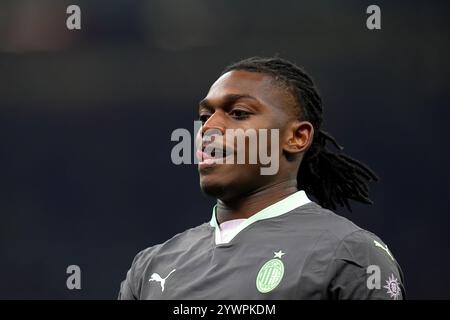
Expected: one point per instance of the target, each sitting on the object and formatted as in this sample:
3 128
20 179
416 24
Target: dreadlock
332 178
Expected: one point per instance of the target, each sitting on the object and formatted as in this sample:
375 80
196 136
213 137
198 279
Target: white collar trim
277 209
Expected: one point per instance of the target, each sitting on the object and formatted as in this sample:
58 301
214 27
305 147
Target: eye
203 118
240 114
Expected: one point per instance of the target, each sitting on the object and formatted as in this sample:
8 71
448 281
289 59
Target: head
273 93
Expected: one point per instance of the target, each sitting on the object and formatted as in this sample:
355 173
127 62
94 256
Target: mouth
208 157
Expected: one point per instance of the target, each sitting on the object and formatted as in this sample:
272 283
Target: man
266 238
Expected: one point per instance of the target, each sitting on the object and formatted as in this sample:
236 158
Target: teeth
217 154
208 161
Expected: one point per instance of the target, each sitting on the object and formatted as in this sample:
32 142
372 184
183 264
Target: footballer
267 238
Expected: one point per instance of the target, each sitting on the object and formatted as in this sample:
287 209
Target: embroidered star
279 254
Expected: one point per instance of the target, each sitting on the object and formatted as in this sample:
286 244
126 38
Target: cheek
256 143
198 139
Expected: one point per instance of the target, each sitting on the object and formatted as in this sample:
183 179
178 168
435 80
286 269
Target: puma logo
385 248
156 277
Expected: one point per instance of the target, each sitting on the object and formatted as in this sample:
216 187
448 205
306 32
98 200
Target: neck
254 202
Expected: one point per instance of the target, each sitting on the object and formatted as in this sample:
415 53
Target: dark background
86 117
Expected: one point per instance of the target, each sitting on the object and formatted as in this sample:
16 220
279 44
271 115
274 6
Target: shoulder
349 241
339 239
179 242
334 227
131 287
358 263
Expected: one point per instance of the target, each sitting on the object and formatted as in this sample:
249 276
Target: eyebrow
227 100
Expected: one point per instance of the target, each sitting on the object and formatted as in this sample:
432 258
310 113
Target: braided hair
333 178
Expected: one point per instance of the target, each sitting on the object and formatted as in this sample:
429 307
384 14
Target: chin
224 191
212 188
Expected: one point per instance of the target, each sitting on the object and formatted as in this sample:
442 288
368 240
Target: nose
215 122
212 129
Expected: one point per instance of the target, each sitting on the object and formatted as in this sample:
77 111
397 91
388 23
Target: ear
298 137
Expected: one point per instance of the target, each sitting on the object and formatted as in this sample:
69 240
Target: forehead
258 85
239 80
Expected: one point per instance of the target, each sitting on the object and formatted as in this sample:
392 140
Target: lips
213 153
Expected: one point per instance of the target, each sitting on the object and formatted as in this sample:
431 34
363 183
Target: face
242 100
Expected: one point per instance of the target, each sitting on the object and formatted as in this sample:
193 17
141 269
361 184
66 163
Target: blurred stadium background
86 118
